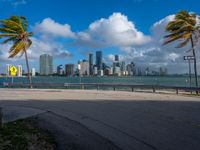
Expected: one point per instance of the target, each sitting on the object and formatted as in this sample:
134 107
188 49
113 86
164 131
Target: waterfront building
116 68
95 70
123 68
147 71
19 70
91 64
162 71
8 69
104 66
84 68
101 73
69 69
33 72
111 70
117 71
99 60
46 64
116 57
139 71
60 70
130 68
108 71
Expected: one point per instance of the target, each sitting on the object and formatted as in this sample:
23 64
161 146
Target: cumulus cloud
116 30
40 47
155 54
48 27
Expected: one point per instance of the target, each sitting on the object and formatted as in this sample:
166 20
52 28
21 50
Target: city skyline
88 67
121 29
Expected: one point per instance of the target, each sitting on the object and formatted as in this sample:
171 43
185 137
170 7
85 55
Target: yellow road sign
13 71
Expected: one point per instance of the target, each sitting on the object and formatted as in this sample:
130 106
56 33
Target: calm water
147 80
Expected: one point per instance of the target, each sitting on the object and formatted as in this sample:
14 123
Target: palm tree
184 28
14 30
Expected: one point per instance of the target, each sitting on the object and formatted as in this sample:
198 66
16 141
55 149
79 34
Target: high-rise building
116 57
60 70
19 70
91 71
33 72
131 69
123 68
84 68
8 69
116 62
99 60
46 64
95 70
69 69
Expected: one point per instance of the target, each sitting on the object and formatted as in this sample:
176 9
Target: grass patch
23 135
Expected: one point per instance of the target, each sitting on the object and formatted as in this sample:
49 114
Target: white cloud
155 54
117 30
110 58
173 56
40 47
49 27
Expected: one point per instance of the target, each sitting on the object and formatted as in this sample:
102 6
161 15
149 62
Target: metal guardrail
98 86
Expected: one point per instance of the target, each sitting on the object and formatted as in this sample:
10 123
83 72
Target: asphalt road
137 124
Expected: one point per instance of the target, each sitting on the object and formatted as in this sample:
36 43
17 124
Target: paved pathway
130 121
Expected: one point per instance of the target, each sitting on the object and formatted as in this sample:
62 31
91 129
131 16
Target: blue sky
81 19
80 13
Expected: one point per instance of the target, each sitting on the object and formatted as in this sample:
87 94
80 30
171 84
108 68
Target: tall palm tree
14 30
184 28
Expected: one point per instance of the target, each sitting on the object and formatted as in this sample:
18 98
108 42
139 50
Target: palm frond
17 48
7 30
28 43
173 38
183 43
182 28
12 25
24 23
7 35
13 38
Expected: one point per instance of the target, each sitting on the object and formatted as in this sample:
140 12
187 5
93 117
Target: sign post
13 71
189 58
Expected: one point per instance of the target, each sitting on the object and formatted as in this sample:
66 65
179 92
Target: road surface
125 120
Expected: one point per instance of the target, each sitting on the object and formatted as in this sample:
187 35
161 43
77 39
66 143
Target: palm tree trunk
195 63
28 70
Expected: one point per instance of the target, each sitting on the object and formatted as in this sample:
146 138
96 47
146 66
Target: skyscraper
116 57
84 68
91 65
46 64
69 69
33 72
60 69
123 68
99 60
8 69
19 70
